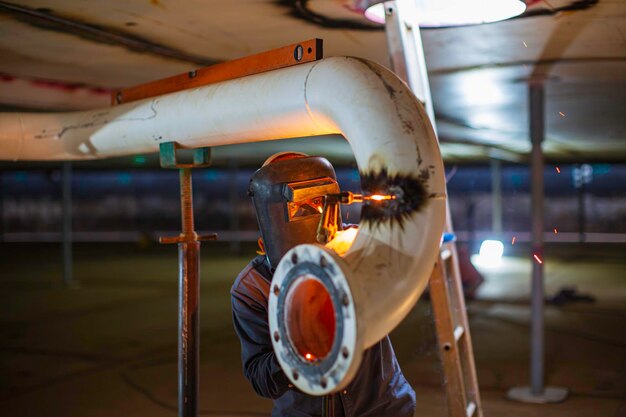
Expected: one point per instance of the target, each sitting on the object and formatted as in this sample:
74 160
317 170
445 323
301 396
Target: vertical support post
496 197
235 244
66 210
2 231
537 392
582 217
537 133
188 279
188 290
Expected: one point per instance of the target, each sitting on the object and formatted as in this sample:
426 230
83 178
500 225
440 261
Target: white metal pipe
388 266
260 107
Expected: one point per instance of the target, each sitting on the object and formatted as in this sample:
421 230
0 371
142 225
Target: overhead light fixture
442 13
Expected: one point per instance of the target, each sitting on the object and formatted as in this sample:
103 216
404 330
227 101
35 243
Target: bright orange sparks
537 259
558 170
320 209
513 240
308 356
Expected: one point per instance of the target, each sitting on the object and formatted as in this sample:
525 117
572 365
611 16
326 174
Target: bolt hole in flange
310 319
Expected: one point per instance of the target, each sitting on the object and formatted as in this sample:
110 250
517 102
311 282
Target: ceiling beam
46 19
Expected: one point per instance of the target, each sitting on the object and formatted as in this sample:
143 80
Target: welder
379 387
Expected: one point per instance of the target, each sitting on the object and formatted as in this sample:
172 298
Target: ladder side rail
453 374
466 349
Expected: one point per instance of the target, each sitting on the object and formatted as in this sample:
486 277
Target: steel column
188 279
66 210
188 320
537 392
537 133
580 194
235 243
1 206
496 197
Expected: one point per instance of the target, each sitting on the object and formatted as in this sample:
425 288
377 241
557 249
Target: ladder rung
471 409
445 254
458 332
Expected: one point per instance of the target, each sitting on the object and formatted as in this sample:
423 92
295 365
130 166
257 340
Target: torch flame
379 197
308 356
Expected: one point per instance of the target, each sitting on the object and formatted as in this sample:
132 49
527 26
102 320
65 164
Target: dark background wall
138 203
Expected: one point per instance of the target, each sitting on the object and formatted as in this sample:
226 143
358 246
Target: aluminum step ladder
453 334
406 56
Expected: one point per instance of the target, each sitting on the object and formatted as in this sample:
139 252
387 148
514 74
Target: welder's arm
259 361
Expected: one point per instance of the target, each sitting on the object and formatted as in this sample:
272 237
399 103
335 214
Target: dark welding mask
288 195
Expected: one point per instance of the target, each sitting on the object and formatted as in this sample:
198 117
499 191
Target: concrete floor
108 347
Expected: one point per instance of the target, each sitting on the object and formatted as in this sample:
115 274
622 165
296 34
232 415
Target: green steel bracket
167 156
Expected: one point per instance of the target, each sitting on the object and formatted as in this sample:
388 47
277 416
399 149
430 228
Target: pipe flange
313 264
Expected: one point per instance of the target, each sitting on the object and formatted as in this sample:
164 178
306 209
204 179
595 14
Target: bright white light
490 253
436 13
376 13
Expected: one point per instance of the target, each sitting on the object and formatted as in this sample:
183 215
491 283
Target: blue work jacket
379 388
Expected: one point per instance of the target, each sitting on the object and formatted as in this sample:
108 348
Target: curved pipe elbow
376 283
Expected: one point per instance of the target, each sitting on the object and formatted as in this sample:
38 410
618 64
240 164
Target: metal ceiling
69 54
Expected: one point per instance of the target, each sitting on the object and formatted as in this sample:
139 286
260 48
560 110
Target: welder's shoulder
251 283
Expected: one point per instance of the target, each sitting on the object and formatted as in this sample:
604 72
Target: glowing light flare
437 13
558 170
309 357
525 46
490 254
380 197
555 231
562 114
539 261
476 88
320 209
513 240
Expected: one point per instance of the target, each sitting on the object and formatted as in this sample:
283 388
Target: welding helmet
288 195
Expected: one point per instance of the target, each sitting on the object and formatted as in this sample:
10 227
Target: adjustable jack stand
188 279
